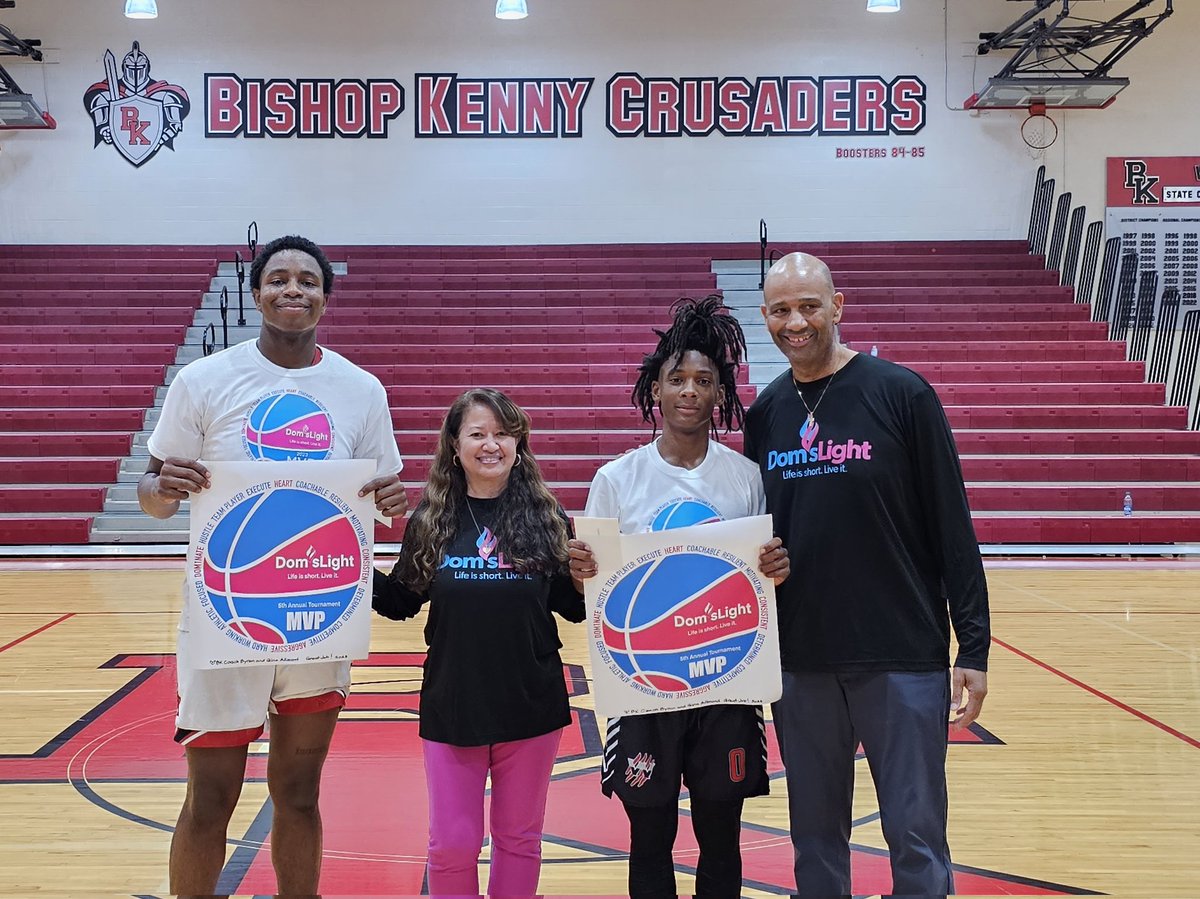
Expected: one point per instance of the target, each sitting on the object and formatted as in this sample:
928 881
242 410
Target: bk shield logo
136 115
139 128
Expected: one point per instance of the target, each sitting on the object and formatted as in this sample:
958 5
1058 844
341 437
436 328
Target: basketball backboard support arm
11 45
17 108
1064 61
1068 44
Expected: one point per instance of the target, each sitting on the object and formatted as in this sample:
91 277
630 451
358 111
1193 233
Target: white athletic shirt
644 492
236 405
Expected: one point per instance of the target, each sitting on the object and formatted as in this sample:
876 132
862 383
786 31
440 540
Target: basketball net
1039 131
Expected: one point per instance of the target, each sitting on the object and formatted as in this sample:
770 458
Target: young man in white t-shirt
685 478
226 407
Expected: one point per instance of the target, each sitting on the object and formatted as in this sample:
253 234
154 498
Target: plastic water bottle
1127 505
874 350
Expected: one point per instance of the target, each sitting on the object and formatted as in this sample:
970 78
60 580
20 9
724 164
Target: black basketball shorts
719 751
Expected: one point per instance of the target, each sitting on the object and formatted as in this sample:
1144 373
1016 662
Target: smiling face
802 310
291 294
687 390
486 451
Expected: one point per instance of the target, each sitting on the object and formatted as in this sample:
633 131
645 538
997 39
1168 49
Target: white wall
974 181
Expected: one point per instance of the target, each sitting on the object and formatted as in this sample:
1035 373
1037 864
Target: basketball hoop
1039 131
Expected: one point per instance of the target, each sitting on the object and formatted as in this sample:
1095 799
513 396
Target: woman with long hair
487 549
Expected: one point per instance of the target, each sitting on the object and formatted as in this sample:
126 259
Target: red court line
44 627
1136 614
1141 564
1191 741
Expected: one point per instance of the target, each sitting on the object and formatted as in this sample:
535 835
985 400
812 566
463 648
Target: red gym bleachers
86 335
1053 425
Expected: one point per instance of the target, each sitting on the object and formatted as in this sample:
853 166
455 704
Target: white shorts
229 706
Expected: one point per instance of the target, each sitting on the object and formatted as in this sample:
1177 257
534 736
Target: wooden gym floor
1082 776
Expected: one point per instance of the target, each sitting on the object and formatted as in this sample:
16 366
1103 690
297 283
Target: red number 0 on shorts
737 765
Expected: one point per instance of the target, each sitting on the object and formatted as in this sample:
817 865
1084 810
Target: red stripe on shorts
308 705
217 739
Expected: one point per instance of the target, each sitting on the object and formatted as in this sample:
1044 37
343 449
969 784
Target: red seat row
727 250
82 266
1015 331
62 375
36 444
61 498
1088 530
44 297
69 354
76 396
103 281
82 316
1083 497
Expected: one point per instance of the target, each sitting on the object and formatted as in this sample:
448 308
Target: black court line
247 850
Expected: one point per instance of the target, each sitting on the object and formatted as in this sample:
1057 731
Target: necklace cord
812 412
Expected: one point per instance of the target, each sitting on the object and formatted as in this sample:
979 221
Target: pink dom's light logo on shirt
682 623
279 568
288 426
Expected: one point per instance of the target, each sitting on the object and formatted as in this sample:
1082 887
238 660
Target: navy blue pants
901 720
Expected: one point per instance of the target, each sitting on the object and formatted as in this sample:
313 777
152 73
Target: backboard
1049 91
22 111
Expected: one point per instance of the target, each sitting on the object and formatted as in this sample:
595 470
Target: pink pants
455 777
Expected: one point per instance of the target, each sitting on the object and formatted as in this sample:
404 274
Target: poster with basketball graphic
681 618
280 563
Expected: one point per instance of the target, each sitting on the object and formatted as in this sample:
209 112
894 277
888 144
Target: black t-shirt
874 514
493 673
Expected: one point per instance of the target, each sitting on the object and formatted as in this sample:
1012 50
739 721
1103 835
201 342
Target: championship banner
280 561
681 618
1154 207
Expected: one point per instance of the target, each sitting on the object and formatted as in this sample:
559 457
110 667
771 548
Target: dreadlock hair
530 526
707 327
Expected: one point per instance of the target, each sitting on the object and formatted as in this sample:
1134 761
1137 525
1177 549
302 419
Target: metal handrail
762 253
224 306
241 278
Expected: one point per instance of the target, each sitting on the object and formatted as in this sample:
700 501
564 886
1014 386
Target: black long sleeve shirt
874 513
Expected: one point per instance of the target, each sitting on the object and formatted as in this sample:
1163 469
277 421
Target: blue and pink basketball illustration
681 622
683 514
282 566
288 426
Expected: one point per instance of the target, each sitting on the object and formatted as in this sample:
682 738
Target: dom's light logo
280 568
288 426
681 622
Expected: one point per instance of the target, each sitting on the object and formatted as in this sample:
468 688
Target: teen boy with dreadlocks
684 478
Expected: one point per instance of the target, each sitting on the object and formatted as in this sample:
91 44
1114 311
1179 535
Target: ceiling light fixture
511 9
883 5
141 9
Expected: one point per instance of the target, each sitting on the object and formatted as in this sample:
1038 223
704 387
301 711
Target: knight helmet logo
136 115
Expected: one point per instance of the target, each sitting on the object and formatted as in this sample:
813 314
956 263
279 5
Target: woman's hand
581 562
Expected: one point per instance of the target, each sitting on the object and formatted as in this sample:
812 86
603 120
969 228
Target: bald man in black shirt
863 480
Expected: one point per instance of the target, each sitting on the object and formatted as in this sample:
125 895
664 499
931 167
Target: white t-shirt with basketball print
644 492
237 405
